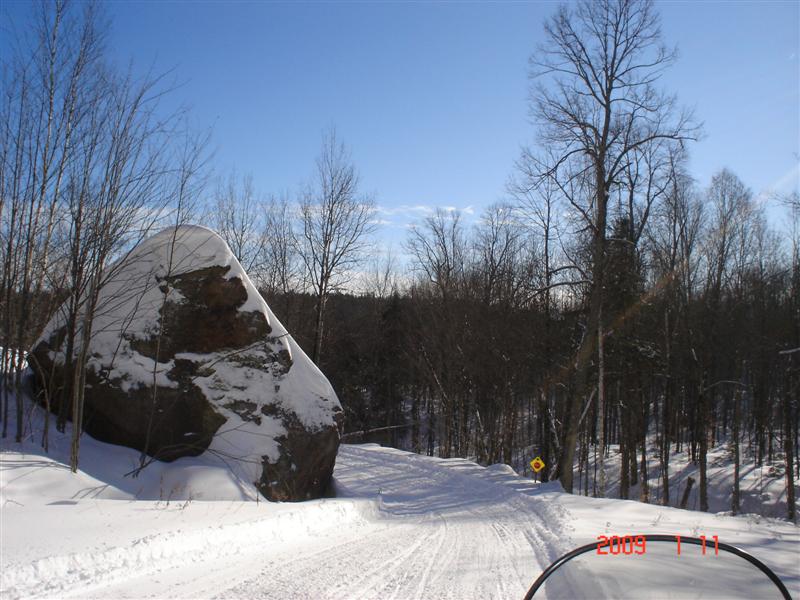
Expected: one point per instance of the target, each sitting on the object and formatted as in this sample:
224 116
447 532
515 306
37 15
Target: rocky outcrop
186 358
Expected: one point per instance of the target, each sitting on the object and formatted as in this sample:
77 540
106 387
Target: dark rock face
187 361
180 421
280 481
209 322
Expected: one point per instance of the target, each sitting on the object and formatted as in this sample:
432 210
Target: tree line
609 301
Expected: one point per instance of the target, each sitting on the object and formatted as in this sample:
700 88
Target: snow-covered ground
762 488
400 526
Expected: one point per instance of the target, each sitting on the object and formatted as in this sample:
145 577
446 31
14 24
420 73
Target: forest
610 302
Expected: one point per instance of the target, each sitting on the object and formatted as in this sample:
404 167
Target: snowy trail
471 537
402 526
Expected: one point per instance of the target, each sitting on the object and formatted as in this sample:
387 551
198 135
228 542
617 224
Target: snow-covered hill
400 526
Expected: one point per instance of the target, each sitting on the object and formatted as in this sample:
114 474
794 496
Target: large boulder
186 358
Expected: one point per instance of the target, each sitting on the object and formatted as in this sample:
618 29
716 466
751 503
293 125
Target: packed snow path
401 526
441 532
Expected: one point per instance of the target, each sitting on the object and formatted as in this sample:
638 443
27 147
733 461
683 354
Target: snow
29 474
762 488
400 526
773 541
128 307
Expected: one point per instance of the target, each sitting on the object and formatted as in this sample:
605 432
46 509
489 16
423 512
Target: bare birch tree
85 168
48 86
336 222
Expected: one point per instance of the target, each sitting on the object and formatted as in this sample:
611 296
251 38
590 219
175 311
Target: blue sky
431 98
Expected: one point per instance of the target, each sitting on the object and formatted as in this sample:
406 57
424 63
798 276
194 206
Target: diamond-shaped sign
537 464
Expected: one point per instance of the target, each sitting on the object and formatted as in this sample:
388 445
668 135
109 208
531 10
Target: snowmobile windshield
657 566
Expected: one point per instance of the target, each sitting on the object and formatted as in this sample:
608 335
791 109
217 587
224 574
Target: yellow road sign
537 464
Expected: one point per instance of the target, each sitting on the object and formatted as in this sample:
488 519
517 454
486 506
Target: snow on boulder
186 358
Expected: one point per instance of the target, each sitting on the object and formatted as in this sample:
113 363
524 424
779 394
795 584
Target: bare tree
498 249
239 219
281 268
85 167
602 61
188 185
790 402
670 240
730 203
115 196
48 91
438 250
335 226
539 204
381 281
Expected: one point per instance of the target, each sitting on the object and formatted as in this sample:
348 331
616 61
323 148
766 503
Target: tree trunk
687 490
736 419
601 413
703 433
319 323
644 490
788 447
586 349
666 415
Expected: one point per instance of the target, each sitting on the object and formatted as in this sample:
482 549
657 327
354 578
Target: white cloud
405 209
415 211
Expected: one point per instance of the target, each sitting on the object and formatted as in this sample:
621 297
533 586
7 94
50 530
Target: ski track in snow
467 540
402 526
